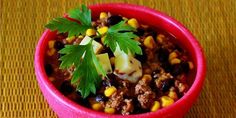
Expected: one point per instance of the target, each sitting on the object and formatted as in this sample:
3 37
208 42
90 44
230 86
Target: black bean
78 93
114 20
59 56
66 88
142 58
58 45
110 53
163 55
154 73
167 66
140 32
48 68
167 84
100 98
84 102
178 48
185 67
106 83
137 107
97 39
152 32
176 70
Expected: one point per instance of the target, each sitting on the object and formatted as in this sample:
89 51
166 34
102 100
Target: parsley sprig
85 75
63 25
87 68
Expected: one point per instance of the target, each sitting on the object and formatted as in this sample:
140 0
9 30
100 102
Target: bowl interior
149 17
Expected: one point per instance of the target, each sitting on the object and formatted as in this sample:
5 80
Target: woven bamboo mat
22 22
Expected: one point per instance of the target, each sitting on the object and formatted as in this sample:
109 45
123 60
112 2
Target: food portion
115 64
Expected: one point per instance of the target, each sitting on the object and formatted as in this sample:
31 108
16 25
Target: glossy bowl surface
66 108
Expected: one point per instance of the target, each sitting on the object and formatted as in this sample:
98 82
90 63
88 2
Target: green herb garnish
121 34
82 57
63 25
85 75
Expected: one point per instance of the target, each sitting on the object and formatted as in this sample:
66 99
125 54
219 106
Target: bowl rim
196 86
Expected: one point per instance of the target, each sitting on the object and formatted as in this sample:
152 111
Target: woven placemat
22 23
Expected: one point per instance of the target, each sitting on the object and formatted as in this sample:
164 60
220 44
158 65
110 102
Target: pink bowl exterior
66 108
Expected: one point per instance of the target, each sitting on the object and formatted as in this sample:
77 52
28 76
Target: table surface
22 23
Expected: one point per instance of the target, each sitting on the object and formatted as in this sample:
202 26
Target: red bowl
65 108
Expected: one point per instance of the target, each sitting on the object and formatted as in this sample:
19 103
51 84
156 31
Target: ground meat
128 107
115 100
142 87
145 94
161 77
146 99
154 66
125 83
126 89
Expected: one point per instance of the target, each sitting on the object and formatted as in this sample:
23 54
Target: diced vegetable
127 67
119 52
97 47
105 62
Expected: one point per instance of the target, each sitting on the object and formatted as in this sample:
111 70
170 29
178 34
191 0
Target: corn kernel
166 101
112 60
90 32
70 39
191 66
103 30
80 36
133 23
175 61
173 55
156 106
173 95
97 106
103 15
109 91
147 77
51 52
109 110
160 38
149 42
51 43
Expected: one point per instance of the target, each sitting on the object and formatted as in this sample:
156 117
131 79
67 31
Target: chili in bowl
119 59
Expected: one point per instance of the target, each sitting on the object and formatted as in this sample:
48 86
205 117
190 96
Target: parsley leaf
72 27
83 15
122 35
86 67
64 25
